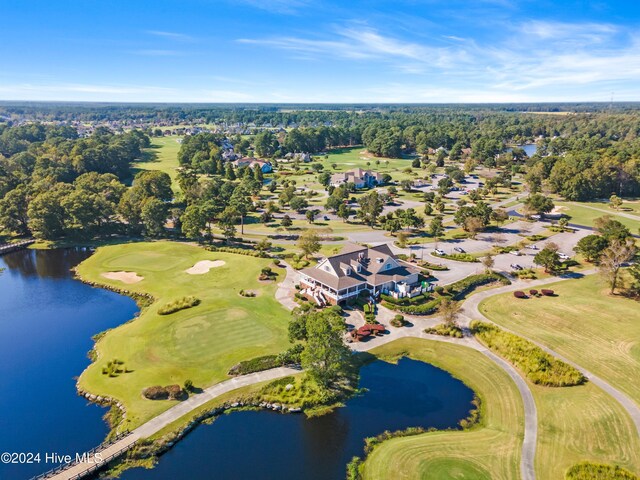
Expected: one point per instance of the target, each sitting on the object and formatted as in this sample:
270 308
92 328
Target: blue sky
320 51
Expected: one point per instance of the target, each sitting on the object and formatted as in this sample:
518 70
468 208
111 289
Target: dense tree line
54 184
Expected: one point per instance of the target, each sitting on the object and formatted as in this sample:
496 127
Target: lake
530 149
46 325
272 446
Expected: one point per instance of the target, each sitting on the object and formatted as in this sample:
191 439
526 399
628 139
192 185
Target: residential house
359 269
359 177
251 162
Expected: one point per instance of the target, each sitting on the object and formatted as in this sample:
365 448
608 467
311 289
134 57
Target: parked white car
532 247
439 252
515 252
563 256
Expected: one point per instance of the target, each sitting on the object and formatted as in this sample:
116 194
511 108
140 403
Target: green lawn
200 343
162 155
630 206
491 450
595 330
581 215
582 423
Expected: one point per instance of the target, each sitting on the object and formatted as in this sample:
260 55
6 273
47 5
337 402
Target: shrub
398 321
267 362
547 293
460 257
247 293
239 251
291 355
188 385
177 305
533 292
434 266
439 290
519 294
598 471
417 300
462 288
170 392
539 367
354 469
445 330
460 236
526 274
536 238
370 318
257 364
427 308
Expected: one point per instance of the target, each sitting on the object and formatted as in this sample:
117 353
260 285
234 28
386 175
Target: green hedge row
539 367
418 299
460 257
423 309
239 251
462 288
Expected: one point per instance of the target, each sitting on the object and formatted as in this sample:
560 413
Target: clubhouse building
358 269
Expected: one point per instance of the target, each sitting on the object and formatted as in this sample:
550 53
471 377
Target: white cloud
357 42
536 58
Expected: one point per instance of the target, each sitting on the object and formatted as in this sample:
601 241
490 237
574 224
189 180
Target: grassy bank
163 156
582 423
583 323
200 343
490 450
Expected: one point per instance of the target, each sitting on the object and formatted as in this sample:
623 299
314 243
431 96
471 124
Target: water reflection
46 322
266 445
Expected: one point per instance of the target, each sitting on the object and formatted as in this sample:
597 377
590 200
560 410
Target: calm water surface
46 322
270 446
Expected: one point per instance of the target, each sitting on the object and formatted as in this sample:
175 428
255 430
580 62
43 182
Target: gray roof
370 259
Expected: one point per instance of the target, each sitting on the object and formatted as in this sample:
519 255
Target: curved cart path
471 311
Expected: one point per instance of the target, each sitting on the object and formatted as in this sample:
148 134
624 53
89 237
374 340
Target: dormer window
387 266
347 270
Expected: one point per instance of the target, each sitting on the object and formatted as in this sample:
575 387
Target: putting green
199 343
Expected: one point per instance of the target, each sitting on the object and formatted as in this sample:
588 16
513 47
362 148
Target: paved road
471 310
178 411
286 288
527 470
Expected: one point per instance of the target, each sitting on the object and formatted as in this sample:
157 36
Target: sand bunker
203 266
124 277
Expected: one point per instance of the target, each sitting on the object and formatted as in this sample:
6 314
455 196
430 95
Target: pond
46 322
46 325
530 149
266 445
